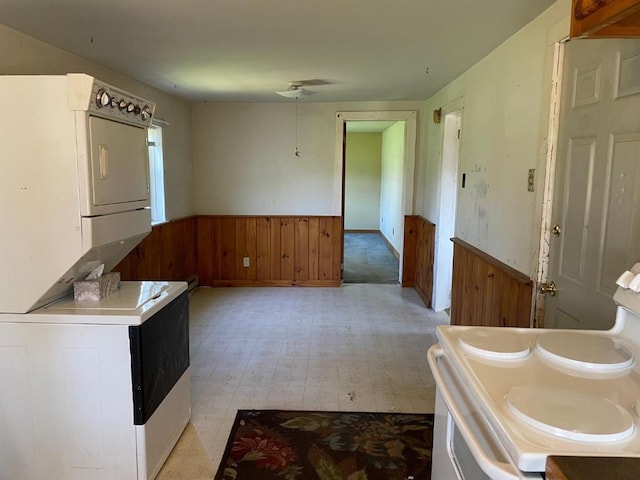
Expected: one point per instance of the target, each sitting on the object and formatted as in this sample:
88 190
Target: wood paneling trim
205 261
282 250
425 254
418 256
486 291
512 272
167 253
273 283
409 251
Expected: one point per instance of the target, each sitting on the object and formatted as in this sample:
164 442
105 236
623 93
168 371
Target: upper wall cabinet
605 18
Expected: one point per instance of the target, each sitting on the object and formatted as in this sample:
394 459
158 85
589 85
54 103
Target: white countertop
131 304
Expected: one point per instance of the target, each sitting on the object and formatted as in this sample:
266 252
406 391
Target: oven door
159 356
465 447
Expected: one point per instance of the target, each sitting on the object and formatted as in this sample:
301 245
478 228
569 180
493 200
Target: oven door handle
491 467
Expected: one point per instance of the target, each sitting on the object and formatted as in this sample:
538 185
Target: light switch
531 179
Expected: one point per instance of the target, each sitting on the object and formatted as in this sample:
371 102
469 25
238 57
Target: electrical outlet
245 261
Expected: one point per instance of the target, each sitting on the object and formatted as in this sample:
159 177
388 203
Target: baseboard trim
192 282
391 247
275 283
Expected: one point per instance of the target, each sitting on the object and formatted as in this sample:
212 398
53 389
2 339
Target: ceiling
244 50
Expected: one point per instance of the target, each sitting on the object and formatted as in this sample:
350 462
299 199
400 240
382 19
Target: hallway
368 259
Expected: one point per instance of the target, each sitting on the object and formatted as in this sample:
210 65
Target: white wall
506 102
391 214
244 161
21 54
362 180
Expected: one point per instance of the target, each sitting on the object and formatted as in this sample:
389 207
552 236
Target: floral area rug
298 445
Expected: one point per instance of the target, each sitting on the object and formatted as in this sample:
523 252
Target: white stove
508 398
95 390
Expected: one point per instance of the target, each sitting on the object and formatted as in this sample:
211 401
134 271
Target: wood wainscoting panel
167 253
229 252
206 268
313 252
287 249
263 248
301 249
282 250
418 256
486 291
409 251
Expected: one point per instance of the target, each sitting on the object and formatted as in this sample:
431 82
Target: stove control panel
628 293
628 299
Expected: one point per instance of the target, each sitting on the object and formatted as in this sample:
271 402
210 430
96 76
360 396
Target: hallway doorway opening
376 152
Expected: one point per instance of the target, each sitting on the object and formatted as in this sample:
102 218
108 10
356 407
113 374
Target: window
156 174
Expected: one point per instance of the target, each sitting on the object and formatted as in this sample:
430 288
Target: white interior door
443 261
597 191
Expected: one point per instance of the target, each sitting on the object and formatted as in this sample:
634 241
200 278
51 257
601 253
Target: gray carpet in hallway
368 259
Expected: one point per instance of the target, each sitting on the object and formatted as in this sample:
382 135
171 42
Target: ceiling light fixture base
295 90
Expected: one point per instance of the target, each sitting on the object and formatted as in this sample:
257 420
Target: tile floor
355 348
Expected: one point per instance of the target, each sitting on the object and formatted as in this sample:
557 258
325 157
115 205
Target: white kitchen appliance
508 398
74 183
94 389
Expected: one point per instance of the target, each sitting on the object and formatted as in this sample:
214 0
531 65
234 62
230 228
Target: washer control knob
137 110
114 102
146 113
130 107
102 98
122 104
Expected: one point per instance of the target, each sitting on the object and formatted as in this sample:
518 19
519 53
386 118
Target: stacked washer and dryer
92 389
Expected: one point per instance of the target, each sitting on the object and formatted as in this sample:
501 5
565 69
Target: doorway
443 256
373 209
373 161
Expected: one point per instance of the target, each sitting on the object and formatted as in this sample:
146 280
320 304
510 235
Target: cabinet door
605 18
584 8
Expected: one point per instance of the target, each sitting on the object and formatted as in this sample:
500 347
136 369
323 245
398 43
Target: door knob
550 288
555 230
